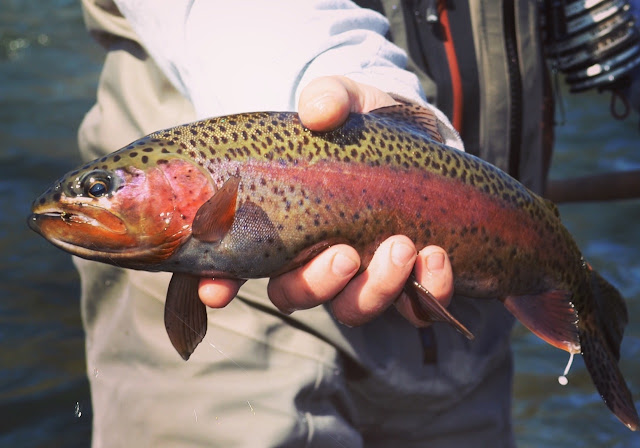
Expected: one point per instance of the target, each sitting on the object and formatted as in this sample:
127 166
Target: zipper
515 86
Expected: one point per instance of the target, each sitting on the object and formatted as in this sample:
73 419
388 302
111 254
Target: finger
433 271
217 293
325 102
370 293
316 282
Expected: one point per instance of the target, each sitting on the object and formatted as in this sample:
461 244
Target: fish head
132 208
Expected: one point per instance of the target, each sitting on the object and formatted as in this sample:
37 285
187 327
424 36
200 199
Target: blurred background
48 73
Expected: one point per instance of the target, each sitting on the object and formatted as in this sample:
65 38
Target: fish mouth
36 220
88 216
87 233
97 234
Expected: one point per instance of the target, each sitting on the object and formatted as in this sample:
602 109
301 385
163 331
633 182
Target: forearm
228 58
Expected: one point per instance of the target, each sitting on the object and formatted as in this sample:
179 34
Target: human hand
325 104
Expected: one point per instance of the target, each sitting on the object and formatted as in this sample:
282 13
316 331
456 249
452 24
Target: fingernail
322 103
435 262
343 266
401 254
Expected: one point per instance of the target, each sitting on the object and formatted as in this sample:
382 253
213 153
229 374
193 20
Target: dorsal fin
215 217
423 118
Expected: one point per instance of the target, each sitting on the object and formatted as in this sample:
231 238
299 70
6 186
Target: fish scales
257 194
378 143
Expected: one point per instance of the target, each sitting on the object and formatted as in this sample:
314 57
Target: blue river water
48 72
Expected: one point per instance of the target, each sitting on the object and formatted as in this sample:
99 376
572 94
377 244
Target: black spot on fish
116 158
145 159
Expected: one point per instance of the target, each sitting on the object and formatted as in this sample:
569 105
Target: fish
257 194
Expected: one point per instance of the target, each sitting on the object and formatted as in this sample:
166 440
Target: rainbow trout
256 195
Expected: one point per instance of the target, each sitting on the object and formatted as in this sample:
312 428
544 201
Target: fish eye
97 188
97 184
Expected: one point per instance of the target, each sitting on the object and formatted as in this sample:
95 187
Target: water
48 73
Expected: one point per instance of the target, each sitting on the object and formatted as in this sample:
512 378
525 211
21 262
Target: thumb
325 102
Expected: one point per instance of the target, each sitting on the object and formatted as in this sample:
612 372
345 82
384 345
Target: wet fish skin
255 195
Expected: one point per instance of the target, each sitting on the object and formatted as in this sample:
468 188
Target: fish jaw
82 229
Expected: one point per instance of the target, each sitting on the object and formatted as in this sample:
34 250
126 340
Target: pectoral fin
215 217
185 316
550 315
428 308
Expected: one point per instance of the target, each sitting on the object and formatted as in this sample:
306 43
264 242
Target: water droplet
78 411
96 373
18 44
562 379
43 39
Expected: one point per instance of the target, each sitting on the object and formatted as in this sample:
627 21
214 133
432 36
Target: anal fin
428 308
185 316
550 315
